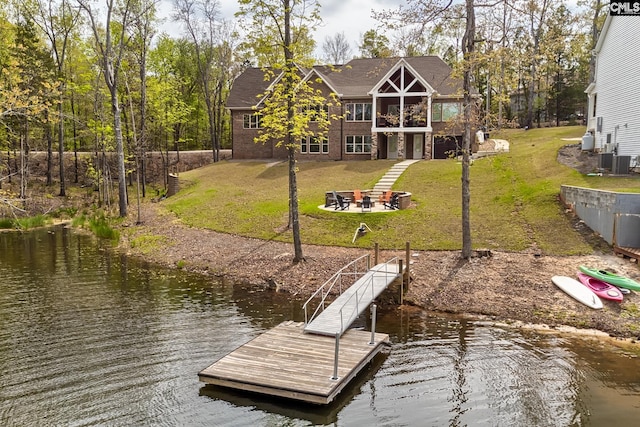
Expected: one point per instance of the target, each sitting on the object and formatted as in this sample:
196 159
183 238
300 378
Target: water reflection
90 337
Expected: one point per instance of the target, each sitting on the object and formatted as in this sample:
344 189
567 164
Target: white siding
618 86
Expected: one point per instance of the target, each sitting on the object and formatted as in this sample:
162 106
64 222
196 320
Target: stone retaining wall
157 164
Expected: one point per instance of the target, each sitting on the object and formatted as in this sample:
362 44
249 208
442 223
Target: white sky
353 17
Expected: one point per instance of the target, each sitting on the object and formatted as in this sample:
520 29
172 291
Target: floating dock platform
288 363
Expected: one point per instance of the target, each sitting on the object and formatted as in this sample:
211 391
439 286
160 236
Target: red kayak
600 288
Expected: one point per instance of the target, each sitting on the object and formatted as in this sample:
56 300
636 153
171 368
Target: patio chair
394 202
333 200
357 196
386 197
366 204
342 203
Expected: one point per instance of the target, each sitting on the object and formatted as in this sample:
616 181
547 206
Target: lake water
91 337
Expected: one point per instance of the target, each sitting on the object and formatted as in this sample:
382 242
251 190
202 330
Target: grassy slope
513 197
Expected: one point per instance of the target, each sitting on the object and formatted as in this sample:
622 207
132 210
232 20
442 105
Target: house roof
352 80
603 32
247 88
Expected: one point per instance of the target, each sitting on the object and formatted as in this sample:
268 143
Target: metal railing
354 270
364 287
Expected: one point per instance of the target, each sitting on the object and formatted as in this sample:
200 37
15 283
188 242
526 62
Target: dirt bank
506 287
503 286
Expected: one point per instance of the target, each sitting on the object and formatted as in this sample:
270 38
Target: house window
436 112
252 121
450 110
358 144
317 111
359 112
314 145
443 112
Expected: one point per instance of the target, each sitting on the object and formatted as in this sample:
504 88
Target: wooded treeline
82 75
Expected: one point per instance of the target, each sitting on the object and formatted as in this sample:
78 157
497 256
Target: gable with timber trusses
402 80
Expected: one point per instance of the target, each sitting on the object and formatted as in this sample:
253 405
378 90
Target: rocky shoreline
512 288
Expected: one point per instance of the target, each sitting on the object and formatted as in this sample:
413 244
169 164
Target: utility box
587 142
605 161
621 165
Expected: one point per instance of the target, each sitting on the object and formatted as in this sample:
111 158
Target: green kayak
614 279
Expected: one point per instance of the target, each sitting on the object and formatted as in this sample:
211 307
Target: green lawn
513 199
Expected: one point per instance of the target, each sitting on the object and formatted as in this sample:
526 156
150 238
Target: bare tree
203 25
143 34
57 20
336 49
110 51
535 17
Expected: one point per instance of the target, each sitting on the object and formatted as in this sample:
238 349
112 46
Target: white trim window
314 145
317 111
358 112
445 111
252 121
358 144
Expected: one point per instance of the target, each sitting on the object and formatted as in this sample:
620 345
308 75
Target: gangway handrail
325 290
365 284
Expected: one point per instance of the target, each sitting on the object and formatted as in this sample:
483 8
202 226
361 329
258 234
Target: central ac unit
605 161
621 165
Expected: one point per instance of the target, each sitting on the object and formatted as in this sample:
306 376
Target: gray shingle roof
247 87
352 80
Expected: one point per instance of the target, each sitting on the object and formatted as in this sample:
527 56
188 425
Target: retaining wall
157 164
615 216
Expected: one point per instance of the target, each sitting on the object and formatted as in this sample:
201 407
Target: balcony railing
383 122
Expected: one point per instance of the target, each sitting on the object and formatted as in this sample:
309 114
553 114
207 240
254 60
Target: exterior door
418 143
446 147
392 147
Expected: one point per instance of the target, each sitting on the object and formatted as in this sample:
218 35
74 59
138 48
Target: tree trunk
75 139
117 129
293 197
63 191
291 144
49 138
532 90
212 121
468 46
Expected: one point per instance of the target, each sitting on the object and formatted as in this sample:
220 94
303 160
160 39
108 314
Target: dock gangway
356 285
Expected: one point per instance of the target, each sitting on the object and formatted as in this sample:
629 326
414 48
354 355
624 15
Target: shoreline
503 287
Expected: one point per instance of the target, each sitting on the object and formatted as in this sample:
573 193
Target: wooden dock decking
286 362
341 313
628 252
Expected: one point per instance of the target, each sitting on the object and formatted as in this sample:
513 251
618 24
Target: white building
614 95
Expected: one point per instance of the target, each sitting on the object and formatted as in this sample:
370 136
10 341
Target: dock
288 363
314 360
345 309
628 252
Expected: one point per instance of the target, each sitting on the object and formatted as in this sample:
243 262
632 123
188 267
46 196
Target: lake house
390 108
